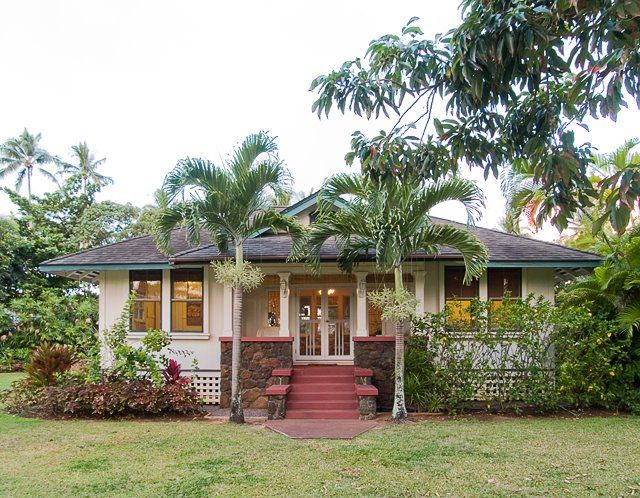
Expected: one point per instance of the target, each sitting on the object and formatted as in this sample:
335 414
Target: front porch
303 324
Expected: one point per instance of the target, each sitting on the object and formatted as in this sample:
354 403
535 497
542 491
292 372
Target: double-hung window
187 300
503 284
146 314
458 296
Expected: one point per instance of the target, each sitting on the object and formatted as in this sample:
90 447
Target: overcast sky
148 82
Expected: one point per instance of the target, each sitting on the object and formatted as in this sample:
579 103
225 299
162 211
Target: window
375 320
146 311
458 296
273 308
186 300
503 282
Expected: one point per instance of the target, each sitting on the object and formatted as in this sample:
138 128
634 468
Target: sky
147 83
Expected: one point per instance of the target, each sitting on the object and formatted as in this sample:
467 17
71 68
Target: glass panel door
339 322
310 319
324 323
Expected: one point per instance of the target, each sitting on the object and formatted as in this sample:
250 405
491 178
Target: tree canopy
516 79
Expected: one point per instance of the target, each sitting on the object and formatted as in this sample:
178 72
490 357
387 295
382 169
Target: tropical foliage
503 361
86 166
516 78
393 220
231 202
591 225
23 156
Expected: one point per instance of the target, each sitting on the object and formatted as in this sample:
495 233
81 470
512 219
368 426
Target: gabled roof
300 206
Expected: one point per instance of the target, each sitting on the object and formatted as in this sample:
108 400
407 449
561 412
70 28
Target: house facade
297 318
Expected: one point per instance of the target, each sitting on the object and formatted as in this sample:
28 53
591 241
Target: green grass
499 457
6 379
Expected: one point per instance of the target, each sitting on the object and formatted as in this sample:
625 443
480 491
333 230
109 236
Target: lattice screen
207 385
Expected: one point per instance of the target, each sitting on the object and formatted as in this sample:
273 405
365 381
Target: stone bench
367 393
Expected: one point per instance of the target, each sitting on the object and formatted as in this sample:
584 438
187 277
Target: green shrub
50 316
542 356
128 362
107 398
452 362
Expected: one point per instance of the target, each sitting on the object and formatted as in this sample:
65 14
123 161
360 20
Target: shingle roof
138 250
143 250
502 247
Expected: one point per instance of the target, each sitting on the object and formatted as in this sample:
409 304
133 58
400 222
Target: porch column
361 304
418 279
227 311
284 304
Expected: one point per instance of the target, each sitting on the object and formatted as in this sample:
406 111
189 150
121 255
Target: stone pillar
284 304
259 356
378 354
418 279
361 304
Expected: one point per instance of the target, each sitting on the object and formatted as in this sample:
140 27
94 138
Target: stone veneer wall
260 355
378 354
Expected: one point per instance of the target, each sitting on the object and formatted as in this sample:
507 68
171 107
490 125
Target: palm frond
629 317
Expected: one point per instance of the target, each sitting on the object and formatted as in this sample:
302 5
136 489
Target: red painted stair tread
323 392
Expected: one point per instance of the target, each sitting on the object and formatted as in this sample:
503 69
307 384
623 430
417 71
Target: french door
324 323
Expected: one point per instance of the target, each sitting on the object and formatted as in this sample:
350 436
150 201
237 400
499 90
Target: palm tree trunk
237 414
399 413
29 181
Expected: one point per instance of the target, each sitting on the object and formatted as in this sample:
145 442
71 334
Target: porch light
331 292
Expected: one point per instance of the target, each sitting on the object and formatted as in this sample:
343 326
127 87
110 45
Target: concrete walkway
321 428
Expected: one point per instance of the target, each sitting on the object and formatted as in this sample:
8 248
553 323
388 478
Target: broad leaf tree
512 81
231 202
391 221
23 156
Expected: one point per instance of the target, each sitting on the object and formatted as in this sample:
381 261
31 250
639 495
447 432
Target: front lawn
459 457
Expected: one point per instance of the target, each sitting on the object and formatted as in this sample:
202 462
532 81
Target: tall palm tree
231 202
23 155
523 195
86 165
393 221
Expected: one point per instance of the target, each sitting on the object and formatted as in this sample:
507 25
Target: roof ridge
192 249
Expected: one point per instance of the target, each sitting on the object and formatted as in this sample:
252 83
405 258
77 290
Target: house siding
206 347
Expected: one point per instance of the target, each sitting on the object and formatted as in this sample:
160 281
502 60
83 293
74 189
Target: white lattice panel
207 385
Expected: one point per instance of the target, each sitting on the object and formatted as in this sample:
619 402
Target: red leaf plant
172 373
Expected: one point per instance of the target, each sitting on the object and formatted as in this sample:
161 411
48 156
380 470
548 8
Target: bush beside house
139 380
500 359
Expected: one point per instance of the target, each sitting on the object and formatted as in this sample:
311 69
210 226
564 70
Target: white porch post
227 311
418 279
361 304
106 356
284 304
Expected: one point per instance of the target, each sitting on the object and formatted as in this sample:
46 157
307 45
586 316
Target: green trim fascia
543 264
133 266
300 206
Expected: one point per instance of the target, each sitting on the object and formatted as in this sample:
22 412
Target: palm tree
231 202
86 166
523 195
23 155
393 221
